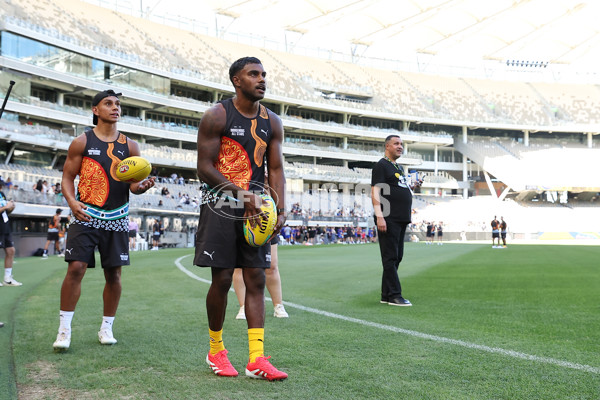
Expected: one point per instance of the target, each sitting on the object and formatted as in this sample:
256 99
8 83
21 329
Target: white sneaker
63 341
106 337
11 282
60 255
280 312
45 255
241 314
1 284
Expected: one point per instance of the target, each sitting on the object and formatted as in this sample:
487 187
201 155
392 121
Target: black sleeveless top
106 198
244 142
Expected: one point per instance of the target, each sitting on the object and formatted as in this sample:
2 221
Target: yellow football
133 169
261 233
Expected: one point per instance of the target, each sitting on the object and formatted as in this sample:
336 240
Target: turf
540 302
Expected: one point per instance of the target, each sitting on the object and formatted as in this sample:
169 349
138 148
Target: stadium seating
302 78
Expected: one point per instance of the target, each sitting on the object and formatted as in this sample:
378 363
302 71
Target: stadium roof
450 32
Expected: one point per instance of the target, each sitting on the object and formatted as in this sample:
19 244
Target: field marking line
421 335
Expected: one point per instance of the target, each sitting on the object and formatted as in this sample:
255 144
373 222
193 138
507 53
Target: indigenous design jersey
243 146
106 198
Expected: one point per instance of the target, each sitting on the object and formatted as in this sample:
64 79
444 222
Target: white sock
7 273
107 323
65 321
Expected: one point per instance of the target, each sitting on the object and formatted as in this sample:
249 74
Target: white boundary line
440 339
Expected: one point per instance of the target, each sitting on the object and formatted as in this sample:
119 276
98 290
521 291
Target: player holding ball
97 219
237 140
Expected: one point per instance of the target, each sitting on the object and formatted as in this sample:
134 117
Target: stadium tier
470 136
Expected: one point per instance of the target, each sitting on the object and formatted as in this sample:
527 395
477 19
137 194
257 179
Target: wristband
280 211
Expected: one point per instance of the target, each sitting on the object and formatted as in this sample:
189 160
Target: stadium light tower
296 34
229 16
358 48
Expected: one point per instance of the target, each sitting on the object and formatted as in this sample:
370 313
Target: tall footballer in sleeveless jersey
106 198
243 146
241 160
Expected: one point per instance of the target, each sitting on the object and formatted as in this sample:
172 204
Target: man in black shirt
391 194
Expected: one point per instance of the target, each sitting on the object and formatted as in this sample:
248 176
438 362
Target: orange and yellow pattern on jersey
234 163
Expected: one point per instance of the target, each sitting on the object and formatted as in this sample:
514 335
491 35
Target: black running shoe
399 301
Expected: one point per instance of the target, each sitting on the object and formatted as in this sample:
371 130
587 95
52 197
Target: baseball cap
98 98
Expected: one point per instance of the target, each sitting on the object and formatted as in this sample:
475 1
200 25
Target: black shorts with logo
220 240
112 245
52 236
6 241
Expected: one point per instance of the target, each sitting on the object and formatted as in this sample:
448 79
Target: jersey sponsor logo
237 131
263 131
94 152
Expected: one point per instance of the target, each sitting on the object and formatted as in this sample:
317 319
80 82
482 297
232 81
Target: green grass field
516 323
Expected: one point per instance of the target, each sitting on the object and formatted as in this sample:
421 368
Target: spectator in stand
8 184
184 199
165 191
38 187
47 187
58 196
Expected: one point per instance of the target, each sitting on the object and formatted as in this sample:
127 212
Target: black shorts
112 245
6 241
503 235
132 233
220 241
52 236
275 239
495 234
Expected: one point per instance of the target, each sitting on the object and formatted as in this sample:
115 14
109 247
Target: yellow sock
216 341
256 338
